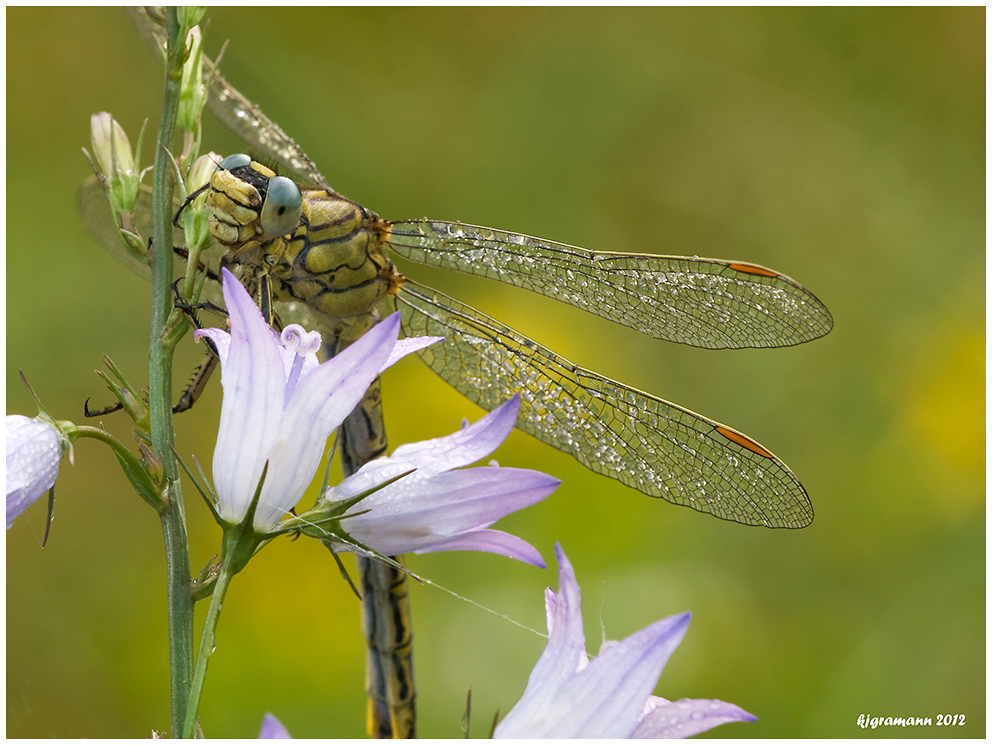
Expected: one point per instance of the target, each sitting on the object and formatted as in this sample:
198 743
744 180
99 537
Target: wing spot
744 442
753 269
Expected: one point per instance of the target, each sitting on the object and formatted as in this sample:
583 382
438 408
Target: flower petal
541 706
686 717
607 697
369 476
490 541
272 729
319 404
456 500
221 340
409 346
34 449
254 380
468 445
420 515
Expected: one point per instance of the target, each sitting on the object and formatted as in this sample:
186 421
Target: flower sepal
127 397
241 541
147 474
203 585
323 520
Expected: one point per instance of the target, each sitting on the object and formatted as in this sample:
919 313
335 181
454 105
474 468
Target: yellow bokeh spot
946 409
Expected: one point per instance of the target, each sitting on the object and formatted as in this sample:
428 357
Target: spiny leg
201 375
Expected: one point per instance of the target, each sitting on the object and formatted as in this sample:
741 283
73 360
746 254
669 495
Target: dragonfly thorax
331 257
334 261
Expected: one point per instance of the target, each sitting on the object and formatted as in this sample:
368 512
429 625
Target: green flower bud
195 217
190 15
193 94
115 164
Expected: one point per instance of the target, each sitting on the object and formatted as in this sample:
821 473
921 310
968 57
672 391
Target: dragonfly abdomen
392 702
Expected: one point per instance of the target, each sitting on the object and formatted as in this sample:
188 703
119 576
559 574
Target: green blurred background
842 147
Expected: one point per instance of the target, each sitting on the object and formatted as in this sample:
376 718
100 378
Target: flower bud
196 216
115 163
193 93
111 147
190 15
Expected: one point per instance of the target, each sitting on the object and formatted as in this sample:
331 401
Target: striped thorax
319 248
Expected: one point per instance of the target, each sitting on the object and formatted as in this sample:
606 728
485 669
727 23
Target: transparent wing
94 211
248 122
701 302
644 442
237 113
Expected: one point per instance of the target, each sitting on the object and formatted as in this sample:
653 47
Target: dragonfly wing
701 302
94 211
654 446
248 122
236 112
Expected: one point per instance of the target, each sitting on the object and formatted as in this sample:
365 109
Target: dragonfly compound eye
282 208
234 161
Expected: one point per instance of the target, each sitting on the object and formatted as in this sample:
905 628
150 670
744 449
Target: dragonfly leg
202 374
189 309
197 383
191 395
100 412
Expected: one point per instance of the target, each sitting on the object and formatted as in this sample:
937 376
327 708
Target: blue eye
282 208
234 161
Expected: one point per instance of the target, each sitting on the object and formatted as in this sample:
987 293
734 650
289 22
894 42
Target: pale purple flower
34 449
437 508
568 695
280 404
272 729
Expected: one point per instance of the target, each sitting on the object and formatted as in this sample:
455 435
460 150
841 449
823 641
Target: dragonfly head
249 203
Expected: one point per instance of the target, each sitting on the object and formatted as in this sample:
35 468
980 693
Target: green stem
103 436
207 644
180 603
144 475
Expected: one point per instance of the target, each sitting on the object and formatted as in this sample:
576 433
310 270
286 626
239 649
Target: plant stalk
180 603
207 644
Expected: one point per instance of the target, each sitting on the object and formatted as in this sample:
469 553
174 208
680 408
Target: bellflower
280 404
273 729
436 508
568 695
34 449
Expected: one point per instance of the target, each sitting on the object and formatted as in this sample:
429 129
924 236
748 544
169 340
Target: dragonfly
335 267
